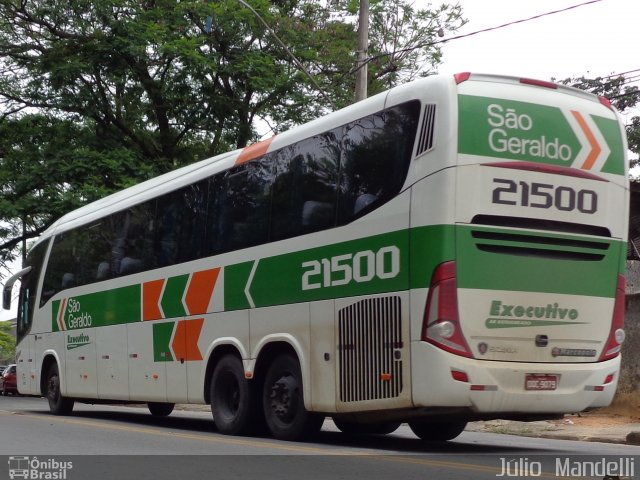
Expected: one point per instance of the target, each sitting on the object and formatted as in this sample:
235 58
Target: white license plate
535 381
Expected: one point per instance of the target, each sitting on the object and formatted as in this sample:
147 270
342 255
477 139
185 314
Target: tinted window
305 191
181 225
240 204
376 151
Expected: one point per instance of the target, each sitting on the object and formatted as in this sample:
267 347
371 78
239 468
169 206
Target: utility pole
363 45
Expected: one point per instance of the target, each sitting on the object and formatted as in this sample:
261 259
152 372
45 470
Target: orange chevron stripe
151 292
254 151
200 290
63 307
595 146
185 340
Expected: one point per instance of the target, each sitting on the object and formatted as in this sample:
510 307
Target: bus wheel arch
279 372
48 360
58 403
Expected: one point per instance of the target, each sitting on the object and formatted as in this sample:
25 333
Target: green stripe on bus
171 302
161 341
529 265
611 131
364 266
109 307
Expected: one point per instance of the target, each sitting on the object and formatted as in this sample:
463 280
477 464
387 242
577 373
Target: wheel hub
282 397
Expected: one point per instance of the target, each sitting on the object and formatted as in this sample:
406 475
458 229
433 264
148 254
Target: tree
623 96
7 343
97 95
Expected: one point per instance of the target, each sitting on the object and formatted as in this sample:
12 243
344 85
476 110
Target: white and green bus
450 250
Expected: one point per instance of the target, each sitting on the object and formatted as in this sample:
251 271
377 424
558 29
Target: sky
596 39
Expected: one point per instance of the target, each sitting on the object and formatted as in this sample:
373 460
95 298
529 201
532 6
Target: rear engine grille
369 349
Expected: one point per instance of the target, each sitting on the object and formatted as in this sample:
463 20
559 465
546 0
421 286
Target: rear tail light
441 322
616 334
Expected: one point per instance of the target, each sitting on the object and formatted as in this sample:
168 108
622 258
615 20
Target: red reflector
462 77
609 378
538 83
477 388
460 376
606 102
598 388
385 377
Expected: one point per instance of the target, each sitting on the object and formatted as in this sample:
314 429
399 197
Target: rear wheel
378 428
232 400
437 431
58 404
283 402
160 409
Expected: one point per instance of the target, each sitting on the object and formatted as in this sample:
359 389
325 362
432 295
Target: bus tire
355 428
160 409
283 401
58 404
231 397
437 431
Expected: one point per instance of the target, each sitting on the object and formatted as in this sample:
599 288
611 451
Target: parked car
2 369
8 384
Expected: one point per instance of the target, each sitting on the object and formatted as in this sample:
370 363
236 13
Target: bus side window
243 206
376 151
305 191
181 225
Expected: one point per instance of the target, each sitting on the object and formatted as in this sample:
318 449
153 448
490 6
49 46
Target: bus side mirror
8 286
6 298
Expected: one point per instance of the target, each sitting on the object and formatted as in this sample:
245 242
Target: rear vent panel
369 349
426 139
540 246
537 224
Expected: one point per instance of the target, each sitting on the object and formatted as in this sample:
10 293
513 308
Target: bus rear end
527 318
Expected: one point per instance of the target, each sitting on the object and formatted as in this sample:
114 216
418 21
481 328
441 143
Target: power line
484 30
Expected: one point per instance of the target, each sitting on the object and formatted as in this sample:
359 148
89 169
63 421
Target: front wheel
160 409
58 404
437 431
283 402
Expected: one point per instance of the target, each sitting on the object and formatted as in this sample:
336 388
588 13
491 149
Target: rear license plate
535 381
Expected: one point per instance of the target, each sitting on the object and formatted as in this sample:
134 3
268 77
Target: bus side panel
113 364
81 368
323 356
147 359
25 366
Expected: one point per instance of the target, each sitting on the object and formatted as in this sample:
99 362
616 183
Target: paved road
118 442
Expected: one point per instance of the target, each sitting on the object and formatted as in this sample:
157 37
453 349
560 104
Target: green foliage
623 96
7 343
97 95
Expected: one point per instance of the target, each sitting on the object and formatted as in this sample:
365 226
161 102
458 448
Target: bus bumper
491 387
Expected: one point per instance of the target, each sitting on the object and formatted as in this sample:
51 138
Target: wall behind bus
629 383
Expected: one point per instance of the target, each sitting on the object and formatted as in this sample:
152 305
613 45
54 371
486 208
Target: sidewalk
586 427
